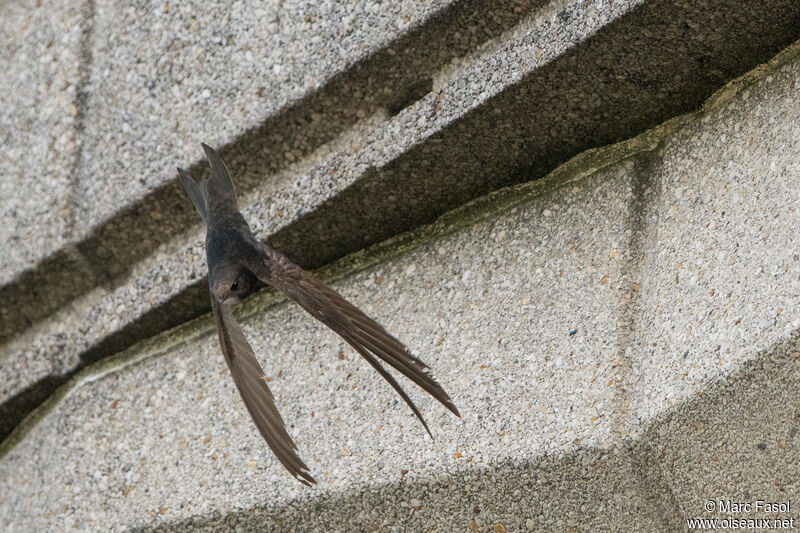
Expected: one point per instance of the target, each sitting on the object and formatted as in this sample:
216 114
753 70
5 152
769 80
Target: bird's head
230 285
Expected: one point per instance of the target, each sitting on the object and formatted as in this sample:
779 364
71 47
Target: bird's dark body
231 248
236 260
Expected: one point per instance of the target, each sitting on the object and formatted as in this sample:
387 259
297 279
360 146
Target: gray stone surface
39 69
736 439
501 100
41 54
164 77
494 114
719 243
591 398
479 304
621 336
151 211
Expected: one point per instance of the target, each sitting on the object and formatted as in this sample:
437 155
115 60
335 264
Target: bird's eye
235 285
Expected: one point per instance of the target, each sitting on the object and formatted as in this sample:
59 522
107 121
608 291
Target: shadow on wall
391 78
675 57
658 60
738 440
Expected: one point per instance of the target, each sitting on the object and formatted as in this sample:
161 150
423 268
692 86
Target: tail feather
219 186
196 192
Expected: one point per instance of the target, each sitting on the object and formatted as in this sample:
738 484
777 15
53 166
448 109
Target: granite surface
41 55
620 335
506 311
542 310
458 99
430 118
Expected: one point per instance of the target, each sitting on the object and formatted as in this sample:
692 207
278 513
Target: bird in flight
236 259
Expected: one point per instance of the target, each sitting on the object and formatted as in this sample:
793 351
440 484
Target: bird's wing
197 193
219 187
249 379
361 332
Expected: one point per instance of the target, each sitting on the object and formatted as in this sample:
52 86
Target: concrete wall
582 216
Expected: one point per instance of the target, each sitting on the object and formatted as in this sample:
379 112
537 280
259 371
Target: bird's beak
220 296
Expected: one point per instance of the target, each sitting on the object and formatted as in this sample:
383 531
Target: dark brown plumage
235 261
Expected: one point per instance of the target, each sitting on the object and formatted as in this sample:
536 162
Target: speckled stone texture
414 117
384 122
595 395
508 312
719 242
39 67
41 54
621 336
718 315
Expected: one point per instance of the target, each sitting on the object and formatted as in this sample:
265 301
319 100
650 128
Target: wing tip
305 478
453 409
426 427
211 154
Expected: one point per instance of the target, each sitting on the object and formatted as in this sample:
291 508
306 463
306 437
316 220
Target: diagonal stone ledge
268 119
345 184
536 110
519 303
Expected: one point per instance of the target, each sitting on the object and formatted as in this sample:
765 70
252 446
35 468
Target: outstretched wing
361 332
249 379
